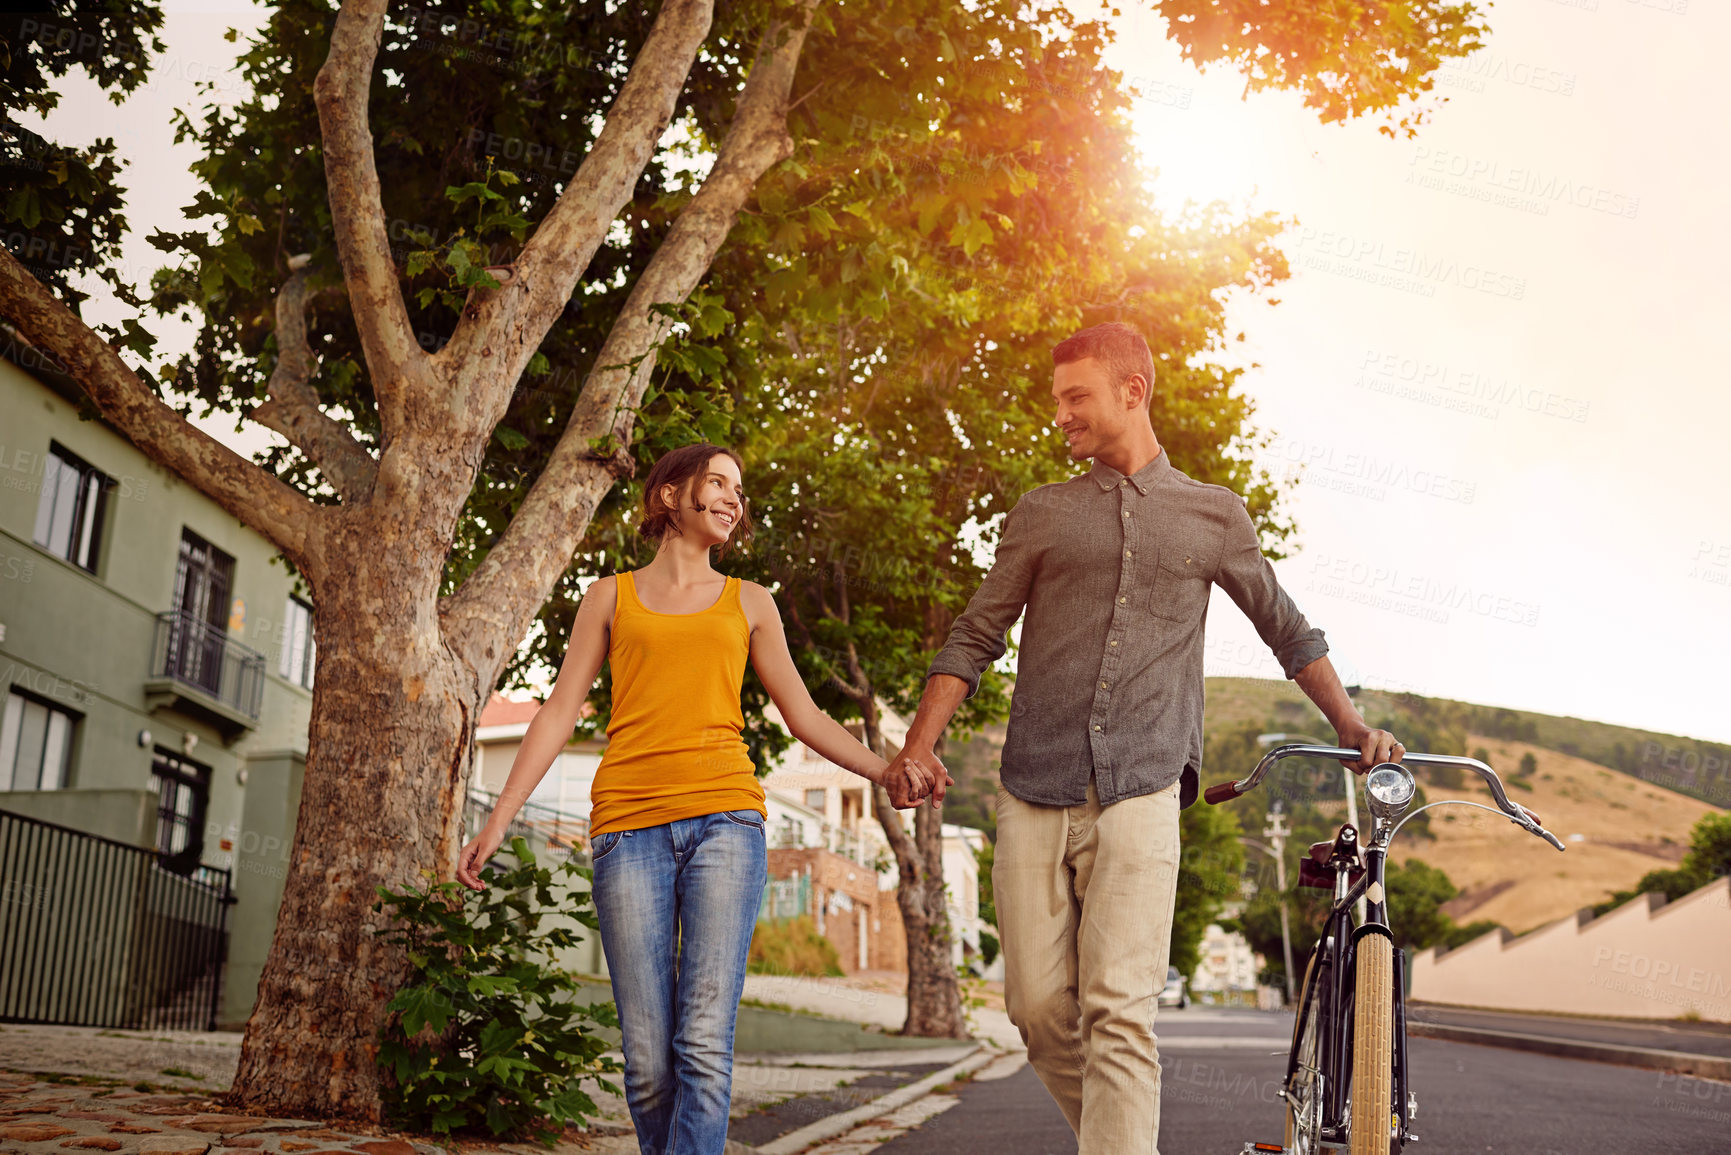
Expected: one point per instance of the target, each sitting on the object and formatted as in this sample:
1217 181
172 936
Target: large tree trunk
389 754
934 996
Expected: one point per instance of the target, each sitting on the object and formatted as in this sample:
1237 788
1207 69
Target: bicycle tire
1373 1118
1302 1133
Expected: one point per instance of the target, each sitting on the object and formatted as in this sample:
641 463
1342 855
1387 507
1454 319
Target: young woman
677 825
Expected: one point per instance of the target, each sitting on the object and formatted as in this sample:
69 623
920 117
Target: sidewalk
1675 1035
151 1092
1686 1048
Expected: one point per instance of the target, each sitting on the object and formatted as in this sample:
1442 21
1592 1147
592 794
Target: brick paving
48 1116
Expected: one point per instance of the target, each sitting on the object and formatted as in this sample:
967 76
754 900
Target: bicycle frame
1333 962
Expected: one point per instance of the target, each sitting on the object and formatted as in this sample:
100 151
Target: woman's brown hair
680 468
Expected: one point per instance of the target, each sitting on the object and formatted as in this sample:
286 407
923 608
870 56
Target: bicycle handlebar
1517 813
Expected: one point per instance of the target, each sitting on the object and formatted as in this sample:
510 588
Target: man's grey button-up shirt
1114 574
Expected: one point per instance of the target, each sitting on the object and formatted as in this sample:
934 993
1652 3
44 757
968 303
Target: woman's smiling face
719 490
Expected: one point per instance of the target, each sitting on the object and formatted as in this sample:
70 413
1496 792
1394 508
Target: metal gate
98 933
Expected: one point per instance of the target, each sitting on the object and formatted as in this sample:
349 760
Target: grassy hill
1631 796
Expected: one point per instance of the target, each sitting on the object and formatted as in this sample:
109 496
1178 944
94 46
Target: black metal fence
198 654
97 933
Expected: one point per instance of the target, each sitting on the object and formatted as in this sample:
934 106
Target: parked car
1176 993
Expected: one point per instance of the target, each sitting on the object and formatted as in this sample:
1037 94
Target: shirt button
1121 481
1120 601
1102 685
1126 553
1111 643
1096 728
1126 513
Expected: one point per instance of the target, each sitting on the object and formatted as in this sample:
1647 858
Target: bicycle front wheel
1373 1115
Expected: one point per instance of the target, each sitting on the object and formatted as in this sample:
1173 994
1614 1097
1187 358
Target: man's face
1092 412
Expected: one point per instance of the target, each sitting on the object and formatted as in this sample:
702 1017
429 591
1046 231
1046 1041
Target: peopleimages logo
1469 390
1523 180
1365 474
1663 980
1383 586
1402 268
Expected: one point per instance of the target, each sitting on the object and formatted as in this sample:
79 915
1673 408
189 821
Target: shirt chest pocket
1184 568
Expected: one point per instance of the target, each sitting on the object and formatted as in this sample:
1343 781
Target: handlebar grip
1223 792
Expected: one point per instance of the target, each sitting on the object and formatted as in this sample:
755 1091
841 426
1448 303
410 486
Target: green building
157 667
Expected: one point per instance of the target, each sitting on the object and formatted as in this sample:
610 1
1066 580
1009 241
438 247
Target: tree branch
495 605
505 326
293 408
285 517
394 358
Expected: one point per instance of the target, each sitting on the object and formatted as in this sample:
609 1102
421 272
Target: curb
832 1125
1683 1062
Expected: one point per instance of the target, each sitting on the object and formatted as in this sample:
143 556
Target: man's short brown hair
1115 345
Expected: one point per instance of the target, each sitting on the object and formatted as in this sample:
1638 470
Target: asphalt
1471 1099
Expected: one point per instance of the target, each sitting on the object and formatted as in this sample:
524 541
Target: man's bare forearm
1322 685
943 694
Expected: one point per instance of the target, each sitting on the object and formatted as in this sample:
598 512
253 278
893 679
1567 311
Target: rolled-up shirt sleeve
981 635
1249 579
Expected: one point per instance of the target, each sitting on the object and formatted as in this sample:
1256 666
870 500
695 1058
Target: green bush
488 1031
792 946
989 947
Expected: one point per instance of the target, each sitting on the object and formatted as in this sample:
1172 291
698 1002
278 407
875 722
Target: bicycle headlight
1388 789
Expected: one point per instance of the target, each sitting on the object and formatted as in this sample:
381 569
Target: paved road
1471 1099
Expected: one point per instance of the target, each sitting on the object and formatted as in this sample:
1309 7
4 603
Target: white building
1228 963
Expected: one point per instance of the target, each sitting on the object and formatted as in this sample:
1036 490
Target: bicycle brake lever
1535 828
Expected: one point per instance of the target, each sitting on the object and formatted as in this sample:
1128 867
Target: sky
1495 382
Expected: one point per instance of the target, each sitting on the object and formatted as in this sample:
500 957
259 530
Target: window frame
13 731
171 774
89 508
304 650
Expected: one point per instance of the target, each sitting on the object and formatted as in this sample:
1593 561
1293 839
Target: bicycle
1349 1038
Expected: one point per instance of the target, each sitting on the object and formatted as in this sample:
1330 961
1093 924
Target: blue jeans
677 904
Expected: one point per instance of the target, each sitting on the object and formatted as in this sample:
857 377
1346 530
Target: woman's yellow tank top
674 748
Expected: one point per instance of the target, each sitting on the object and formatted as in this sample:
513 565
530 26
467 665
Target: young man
1113 569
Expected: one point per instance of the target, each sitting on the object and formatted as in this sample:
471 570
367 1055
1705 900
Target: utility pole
1351 789
1276 832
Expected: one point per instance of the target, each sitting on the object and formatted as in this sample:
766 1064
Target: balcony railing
537 823
197 654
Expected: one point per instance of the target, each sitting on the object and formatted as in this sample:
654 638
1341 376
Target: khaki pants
1084 897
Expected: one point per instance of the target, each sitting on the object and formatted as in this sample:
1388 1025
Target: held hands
475 856
1375 746
913 776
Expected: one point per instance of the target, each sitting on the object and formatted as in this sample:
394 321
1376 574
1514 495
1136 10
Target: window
35 745
201 584
816 799
70 512
298 652
183 789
